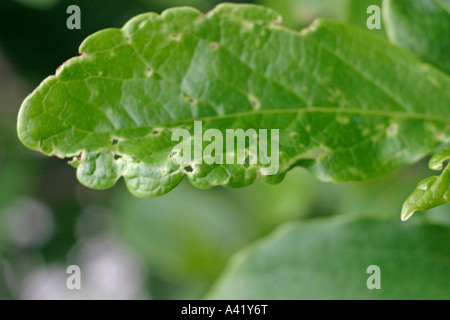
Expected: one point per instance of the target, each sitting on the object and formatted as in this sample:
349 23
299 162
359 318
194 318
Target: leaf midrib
382 113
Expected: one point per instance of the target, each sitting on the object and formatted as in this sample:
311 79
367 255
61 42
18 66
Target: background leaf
329 259
421 26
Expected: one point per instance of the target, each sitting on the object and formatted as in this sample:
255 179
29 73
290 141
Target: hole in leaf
191 100
247 162
155 132
188 169
115 141
172 154
117 157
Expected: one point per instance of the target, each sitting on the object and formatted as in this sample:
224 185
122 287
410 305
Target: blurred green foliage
294 263
179 243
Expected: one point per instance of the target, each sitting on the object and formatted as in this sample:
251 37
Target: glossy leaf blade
348 105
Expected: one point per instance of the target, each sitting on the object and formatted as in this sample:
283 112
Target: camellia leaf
421 26
336 259
348 105
430 192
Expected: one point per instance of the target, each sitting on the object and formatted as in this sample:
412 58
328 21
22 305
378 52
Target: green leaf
329 260
299 13
430 192
348 105
421 26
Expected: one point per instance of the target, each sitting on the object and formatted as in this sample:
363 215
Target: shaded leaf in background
421 26
329 260
105 117
298 14
184 241
187 235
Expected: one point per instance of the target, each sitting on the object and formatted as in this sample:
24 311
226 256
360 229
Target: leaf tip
437 161
407 212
